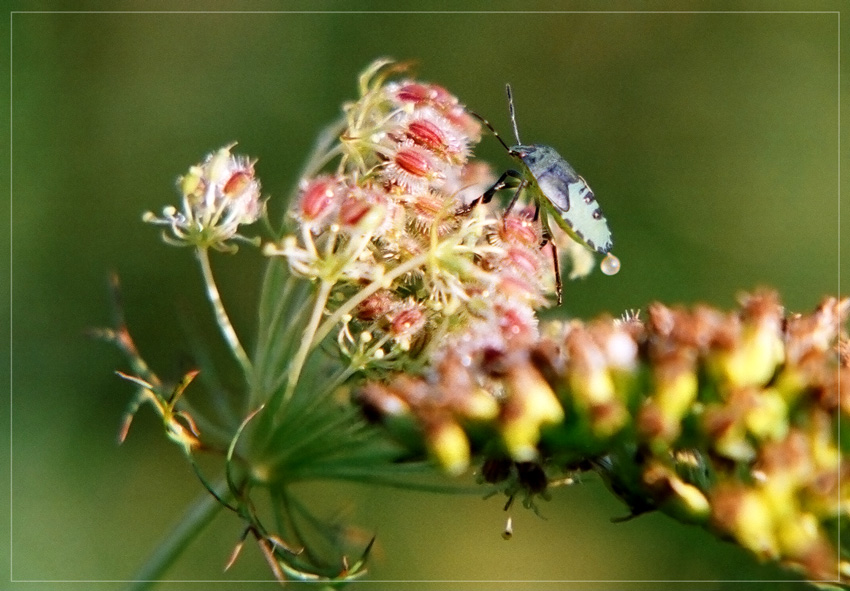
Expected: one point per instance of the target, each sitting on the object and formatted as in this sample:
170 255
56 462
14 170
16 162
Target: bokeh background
710 139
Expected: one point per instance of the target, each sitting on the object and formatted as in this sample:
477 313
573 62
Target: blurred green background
710 139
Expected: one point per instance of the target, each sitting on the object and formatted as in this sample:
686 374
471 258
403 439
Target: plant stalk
221 317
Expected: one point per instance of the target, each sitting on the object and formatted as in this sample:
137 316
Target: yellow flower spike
677 498
541 401
592 387
594 391
690 504
674 390
521 439
734 445
778 495
480 405
745 514
531 404
825 453
753 359
608 418
449 446
674 394
790 383
798 533
768 419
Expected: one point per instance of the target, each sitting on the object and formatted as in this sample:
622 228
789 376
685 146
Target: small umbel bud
406 322
218 196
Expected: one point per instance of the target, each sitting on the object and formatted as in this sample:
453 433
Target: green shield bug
557 191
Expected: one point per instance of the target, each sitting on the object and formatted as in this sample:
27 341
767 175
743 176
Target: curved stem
221 315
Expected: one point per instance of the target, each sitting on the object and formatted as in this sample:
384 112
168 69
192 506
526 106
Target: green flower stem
307 343
285 343
220 314
377 284
273 304
276 319
197 517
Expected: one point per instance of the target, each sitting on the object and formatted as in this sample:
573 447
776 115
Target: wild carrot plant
398 335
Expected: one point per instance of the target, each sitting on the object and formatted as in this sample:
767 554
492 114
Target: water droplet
610 265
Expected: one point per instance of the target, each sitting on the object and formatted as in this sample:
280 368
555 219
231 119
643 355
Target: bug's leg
502 183
547 239
507 179
536 212
519 189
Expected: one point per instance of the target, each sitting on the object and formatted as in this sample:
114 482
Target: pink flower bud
428 135
318 198
352 210
412 168
414 161
518 229
413 92
376 306
237 183
408 321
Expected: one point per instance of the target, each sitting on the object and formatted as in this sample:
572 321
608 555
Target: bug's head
533 153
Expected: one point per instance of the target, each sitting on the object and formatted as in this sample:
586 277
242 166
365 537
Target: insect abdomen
569 195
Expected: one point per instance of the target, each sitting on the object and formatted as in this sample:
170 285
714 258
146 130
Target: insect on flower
556 190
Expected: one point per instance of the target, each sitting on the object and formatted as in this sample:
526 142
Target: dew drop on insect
610 265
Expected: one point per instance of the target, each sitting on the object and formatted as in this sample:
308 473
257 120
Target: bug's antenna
491 128
513 115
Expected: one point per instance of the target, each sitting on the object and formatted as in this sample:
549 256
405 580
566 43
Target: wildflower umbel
218 196
427 301
405 260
